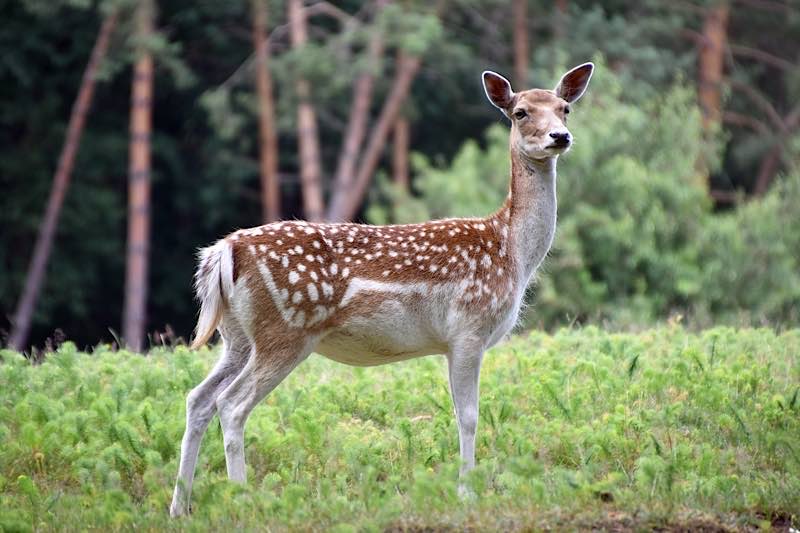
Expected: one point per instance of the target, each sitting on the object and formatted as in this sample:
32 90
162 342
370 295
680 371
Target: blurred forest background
680 197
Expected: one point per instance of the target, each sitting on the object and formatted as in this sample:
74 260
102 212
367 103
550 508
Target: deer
370 295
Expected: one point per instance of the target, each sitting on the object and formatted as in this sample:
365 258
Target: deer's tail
213 284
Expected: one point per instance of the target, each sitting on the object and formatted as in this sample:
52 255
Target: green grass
663 428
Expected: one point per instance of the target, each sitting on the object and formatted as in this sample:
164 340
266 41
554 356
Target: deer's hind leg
201 404
271 361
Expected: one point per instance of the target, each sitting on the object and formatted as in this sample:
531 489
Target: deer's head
538 116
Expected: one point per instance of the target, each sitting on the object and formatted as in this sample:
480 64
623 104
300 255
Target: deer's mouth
558 147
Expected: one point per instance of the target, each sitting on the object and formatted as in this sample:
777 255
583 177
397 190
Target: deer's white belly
398 329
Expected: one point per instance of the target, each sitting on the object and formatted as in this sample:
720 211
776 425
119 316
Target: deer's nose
560 138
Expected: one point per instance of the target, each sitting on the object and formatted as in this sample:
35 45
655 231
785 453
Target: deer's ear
573 84
498 90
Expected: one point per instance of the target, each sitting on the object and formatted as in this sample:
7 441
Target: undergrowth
577 428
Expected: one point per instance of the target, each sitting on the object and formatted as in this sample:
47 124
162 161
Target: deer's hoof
177 510
465 493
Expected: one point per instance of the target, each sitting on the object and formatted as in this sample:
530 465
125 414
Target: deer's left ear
573 84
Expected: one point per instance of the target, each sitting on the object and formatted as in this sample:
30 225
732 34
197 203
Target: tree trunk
359 113
268 151
560 19
711 59
767 169
44 241
345 203
134 316
771 162
521 52
307 134
400 153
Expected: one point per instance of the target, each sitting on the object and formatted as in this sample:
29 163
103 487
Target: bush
751 260
649 427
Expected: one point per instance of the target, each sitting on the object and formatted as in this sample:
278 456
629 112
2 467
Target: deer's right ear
498 90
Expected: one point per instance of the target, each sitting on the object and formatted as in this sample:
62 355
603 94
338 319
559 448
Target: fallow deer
369 295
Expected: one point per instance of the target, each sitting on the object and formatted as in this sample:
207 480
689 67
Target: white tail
212 281
369 295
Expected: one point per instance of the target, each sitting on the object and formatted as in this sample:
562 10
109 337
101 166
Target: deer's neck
531 206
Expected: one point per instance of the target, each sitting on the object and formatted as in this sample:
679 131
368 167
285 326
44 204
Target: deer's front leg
464 367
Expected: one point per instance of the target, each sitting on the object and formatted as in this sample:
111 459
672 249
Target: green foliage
751 259
656 425
474 184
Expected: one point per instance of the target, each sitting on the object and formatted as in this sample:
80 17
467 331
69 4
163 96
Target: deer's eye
566 110
520 114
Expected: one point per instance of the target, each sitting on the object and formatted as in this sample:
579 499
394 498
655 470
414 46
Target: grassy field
583 428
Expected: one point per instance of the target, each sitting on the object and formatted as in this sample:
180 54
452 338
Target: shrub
751 260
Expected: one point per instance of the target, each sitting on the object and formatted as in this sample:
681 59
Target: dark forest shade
205 151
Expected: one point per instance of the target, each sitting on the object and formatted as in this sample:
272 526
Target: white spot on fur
327 289
313 293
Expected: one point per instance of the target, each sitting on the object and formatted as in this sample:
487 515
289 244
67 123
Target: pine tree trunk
521 52
400 148
770 163
345 203
359 116
560 19
711 60
44 241
307 134
710 63
268 152
136 274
